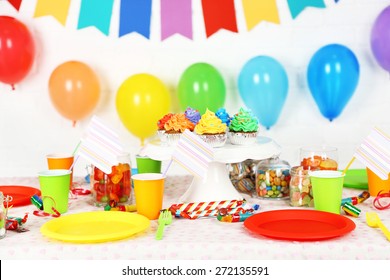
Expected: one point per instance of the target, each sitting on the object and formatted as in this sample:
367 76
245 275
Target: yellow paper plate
94 227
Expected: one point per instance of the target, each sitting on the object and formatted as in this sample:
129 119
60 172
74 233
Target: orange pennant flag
258 10
58 9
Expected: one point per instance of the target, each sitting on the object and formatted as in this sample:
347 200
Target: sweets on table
113 187
243 175
243 128
319 162
211 129
273 179
301 192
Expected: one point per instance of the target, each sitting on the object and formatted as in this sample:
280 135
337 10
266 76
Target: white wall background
30 127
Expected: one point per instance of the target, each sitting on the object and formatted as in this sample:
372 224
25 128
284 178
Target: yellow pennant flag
57 8
257 10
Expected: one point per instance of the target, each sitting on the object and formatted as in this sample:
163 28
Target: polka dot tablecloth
201 239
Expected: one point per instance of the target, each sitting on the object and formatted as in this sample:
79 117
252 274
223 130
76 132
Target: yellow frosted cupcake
211 129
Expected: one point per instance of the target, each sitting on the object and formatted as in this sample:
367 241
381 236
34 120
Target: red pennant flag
219 14
15 3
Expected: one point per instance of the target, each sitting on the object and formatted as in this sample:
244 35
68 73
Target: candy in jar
273 179
114 187
301 193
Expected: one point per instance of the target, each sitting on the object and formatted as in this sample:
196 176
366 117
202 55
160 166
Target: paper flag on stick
374 153
100 146
193 153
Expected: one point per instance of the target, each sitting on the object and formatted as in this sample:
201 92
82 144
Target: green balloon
201 87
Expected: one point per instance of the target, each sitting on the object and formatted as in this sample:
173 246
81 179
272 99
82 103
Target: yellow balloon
141 101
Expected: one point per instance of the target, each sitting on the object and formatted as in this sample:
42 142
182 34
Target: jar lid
272 163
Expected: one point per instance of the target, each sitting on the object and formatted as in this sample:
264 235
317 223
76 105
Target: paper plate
356 179
95 227
21 195
299 225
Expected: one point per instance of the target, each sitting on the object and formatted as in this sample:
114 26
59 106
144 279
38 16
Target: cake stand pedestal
216 184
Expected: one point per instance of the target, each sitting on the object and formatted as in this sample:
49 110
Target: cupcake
243 128
223 115
160 126
175 126
211 129
193 115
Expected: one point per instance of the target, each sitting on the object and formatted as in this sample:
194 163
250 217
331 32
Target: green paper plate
356 179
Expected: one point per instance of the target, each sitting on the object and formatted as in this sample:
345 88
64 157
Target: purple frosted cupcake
193 115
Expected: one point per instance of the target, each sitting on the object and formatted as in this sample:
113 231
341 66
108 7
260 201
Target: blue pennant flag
96 14
297 6
135 16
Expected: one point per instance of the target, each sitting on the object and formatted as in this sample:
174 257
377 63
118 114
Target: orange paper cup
61 161
149 191
376 184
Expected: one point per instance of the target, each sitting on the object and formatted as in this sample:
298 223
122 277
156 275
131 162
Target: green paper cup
55 189
327 190
148 165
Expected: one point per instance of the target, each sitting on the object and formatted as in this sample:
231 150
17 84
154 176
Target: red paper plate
299 225
21 195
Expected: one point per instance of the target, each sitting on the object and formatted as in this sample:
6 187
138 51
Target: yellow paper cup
55 189
327 188
60 161
376 184
148 165
149 192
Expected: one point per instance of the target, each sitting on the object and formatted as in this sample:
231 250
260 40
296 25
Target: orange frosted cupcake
160 126
175 126
211 129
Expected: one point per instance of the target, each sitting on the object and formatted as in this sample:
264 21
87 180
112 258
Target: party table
199 239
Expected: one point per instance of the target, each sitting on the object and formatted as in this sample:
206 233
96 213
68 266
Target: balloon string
13 86
74 124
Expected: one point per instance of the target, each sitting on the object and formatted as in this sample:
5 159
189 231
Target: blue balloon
263 86
333 75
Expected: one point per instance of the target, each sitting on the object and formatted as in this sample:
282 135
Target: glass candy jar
114 188
273 179
243 175
301 192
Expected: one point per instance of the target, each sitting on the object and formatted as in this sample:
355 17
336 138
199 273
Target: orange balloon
74 90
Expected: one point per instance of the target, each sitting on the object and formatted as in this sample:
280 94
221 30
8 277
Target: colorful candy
114 186
243 176
123 208
301 193
273 183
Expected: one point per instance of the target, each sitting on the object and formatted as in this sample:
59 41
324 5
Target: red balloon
17 50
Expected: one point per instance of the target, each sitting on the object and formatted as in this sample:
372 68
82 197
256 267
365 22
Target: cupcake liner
169 139
214 140
242 138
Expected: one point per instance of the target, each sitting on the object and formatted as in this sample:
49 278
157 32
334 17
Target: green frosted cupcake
243 128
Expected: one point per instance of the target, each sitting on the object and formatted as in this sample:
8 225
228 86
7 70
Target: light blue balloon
263 86
333 75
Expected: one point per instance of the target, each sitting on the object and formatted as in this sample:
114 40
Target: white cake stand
216 184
